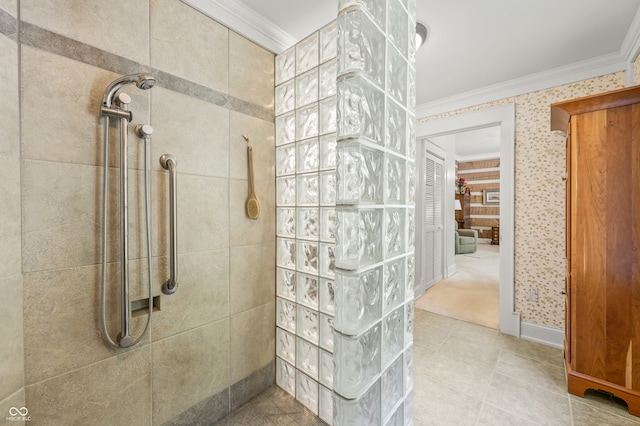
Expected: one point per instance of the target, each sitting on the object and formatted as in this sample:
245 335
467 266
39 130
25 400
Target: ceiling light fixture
421 34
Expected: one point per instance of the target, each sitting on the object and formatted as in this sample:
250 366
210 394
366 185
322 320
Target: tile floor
466 374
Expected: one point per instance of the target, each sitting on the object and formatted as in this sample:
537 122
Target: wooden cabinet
463 217
495 235
602 342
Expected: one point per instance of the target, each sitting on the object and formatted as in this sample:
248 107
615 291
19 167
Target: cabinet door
604 273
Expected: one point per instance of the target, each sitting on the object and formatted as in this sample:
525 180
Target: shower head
143 81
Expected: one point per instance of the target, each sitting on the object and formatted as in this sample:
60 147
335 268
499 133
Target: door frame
503 116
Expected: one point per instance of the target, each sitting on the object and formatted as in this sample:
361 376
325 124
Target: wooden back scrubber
253 204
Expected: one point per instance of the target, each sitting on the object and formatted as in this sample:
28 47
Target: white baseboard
549 336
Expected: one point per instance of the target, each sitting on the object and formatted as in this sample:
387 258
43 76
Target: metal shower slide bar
116 106
169 162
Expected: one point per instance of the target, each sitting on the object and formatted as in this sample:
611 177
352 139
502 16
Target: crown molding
578 71
630 47
631 44
246 21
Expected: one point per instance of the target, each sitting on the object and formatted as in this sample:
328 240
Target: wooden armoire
602 339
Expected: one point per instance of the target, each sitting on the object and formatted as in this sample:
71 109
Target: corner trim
630 48
549 336
246 21
583 70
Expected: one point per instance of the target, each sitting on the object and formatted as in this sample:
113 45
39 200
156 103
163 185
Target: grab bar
169 162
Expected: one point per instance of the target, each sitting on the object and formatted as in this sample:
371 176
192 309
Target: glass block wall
375 212
305 203
345 178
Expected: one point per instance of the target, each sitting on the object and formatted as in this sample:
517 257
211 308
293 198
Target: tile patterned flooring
466 374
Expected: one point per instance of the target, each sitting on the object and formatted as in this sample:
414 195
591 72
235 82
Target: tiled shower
236 281
213 86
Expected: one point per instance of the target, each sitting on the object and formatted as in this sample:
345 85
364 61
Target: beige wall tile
253 329
203 213
115 391
248 231
187 43
10 244
252 276
9 102
194 131
12 348
14 400
202 295
60 215
62 315
252 78
47 95
117 26
262 138
10 6
188 368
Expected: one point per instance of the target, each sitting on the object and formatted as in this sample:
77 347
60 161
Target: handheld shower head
143 81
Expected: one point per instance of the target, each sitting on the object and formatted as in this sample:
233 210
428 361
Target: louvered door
433 220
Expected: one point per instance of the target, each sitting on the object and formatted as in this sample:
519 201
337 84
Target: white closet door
433 222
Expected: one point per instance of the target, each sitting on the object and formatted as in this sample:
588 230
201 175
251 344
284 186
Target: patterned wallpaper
539 195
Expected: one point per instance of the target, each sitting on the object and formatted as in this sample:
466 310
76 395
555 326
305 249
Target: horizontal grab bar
169 162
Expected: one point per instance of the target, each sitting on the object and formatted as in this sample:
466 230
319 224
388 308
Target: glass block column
375 212
305 107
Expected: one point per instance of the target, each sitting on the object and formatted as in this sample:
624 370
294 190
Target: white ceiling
477 44
485 50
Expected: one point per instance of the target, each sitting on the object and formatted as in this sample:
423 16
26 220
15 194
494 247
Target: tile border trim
48 41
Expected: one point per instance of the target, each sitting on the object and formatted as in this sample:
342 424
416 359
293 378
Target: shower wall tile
9 103
246 389
10 6
11 351
262 138
56 204
16 399
188 368
248 231
250 283
43 138
59 218
203 286
202 224
122 381
187 43
10 245
118 26
252 78
257 326
189 129
62 315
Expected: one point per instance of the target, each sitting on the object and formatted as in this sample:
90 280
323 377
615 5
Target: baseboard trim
549 336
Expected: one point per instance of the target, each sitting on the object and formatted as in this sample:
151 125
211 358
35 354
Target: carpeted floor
471 294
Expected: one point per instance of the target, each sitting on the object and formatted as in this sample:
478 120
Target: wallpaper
539 196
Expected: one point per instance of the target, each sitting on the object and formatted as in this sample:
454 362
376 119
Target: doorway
470 294
504 118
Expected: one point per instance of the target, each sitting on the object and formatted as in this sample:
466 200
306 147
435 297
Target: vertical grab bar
169 162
